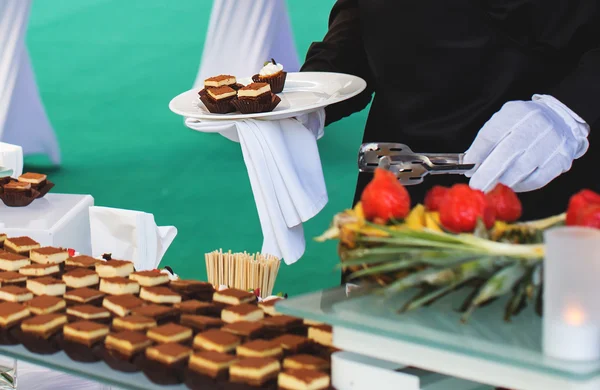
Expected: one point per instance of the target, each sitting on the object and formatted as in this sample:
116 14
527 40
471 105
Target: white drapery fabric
243 34
23 119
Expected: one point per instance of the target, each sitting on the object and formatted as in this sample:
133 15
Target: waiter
515 83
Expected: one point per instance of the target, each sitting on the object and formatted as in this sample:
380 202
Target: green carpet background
107 70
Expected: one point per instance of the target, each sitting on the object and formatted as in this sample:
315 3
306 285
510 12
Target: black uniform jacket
439 69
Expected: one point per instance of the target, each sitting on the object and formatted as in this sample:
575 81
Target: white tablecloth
55 220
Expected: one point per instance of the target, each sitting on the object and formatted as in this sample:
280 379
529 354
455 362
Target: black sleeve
342 51
580 90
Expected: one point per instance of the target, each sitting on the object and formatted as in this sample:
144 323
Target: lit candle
571 322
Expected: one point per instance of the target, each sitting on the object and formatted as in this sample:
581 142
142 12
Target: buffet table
487 350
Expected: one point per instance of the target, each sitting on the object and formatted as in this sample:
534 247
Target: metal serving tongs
410 167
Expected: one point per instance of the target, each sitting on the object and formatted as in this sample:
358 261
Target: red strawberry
590 216
434 197
384 198
505 202
71 252
578 203
463 206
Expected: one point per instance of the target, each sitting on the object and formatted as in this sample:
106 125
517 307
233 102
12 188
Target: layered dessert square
36 180
46 286
159 313
245 329
168 354
162 295
233 296
305 361
242 312
134 322
200 323
13 261
212 364
87 333
284 324
88 312
113 268
121 305
11 277
119 286
170 333
83 295
45 325
221 94
127 343
194 289
18 187
20 245
194 306
255 91
15 294
216 340
322 334
254 371
40 270
268 306
45 304
260 348
49 255
149 278
82 261
220 81
12 313
292 343
81 277
303 380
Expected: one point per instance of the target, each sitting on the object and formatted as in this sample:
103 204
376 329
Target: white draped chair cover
23 119
243 34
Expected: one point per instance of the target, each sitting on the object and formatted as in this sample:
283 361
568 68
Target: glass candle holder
571 321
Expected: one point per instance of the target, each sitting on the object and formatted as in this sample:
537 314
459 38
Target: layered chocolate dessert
46 286
46 304
119 286
114 268
20 245
49 255
39 270
216 340
121 305
13 261
81 277
84 295
149 278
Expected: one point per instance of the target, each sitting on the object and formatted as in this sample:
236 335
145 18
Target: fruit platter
457 238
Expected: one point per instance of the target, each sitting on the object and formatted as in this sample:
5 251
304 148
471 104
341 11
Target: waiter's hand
526 145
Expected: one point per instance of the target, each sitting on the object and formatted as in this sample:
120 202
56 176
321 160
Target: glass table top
98 372
486 335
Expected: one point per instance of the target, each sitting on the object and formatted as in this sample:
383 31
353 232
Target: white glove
526 145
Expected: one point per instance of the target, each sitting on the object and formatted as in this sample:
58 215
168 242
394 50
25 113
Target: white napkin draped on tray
129 235
284 167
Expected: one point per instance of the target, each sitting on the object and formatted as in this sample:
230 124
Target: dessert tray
304 92
100 319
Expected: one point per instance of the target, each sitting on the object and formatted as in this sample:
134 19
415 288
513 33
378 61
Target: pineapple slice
416 218
432 221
